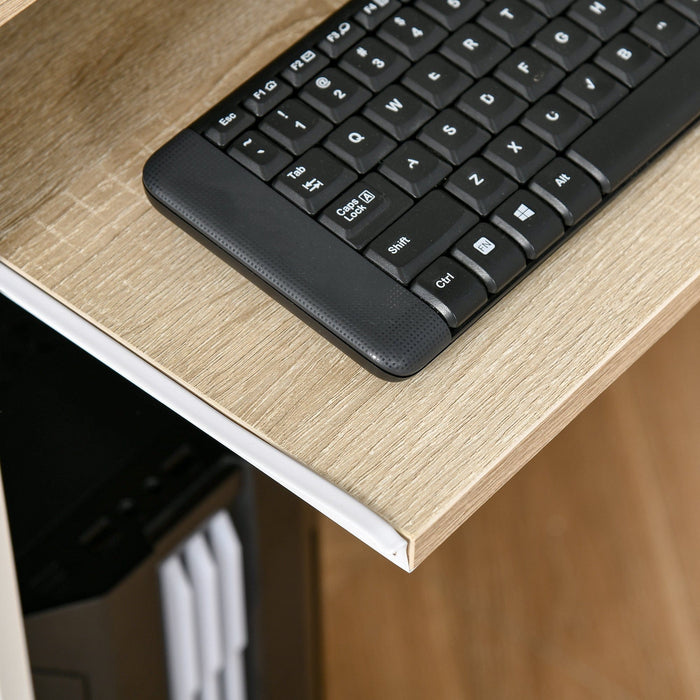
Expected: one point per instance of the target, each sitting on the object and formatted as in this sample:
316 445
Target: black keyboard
397 171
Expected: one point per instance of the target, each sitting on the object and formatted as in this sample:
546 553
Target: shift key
422 234
362 212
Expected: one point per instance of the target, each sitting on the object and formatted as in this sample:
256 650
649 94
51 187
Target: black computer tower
152 562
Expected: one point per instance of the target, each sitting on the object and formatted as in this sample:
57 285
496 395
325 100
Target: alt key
454 292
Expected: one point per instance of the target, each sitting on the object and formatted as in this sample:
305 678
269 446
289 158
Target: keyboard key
491 255
398 111
663 29
414 168
550 8
304 66
565 43
267 95
453 136
450 13
474 50
688 8
454 292
628 59
566 188
436 80
423 233
491 105
226 123
411 33
640 5
518 153
335 94
480 185
532 224
360 144
338 40
374 13
295 126
529 74
602 18
362 212
373 63
592 90
555 121
259 154
511 21
314 180
644 122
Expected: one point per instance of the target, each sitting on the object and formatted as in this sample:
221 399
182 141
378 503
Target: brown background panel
579 579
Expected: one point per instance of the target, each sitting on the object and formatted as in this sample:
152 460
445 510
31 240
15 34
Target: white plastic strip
179 626
204 578
340 507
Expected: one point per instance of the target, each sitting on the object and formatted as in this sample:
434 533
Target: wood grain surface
579 580
10 8
91 89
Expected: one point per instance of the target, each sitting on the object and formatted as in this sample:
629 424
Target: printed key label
484 245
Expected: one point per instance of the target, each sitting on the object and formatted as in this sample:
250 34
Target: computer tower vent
204 618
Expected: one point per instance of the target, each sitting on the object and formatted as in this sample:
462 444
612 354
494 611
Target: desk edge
325 497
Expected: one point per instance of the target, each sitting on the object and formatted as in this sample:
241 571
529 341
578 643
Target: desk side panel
15 678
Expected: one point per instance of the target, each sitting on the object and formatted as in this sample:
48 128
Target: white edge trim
333 502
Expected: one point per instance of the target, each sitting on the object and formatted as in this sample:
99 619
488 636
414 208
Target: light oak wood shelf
90 90
10 8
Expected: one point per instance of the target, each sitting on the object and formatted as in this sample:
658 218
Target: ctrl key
454 292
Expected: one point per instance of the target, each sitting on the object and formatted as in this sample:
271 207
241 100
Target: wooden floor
580 579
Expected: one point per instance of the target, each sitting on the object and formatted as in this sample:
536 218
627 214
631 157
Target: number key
411 33
450 13
373 63
295 126
335 94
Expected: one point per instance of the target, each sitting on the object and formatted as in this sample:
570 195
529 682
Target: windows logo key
523 213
